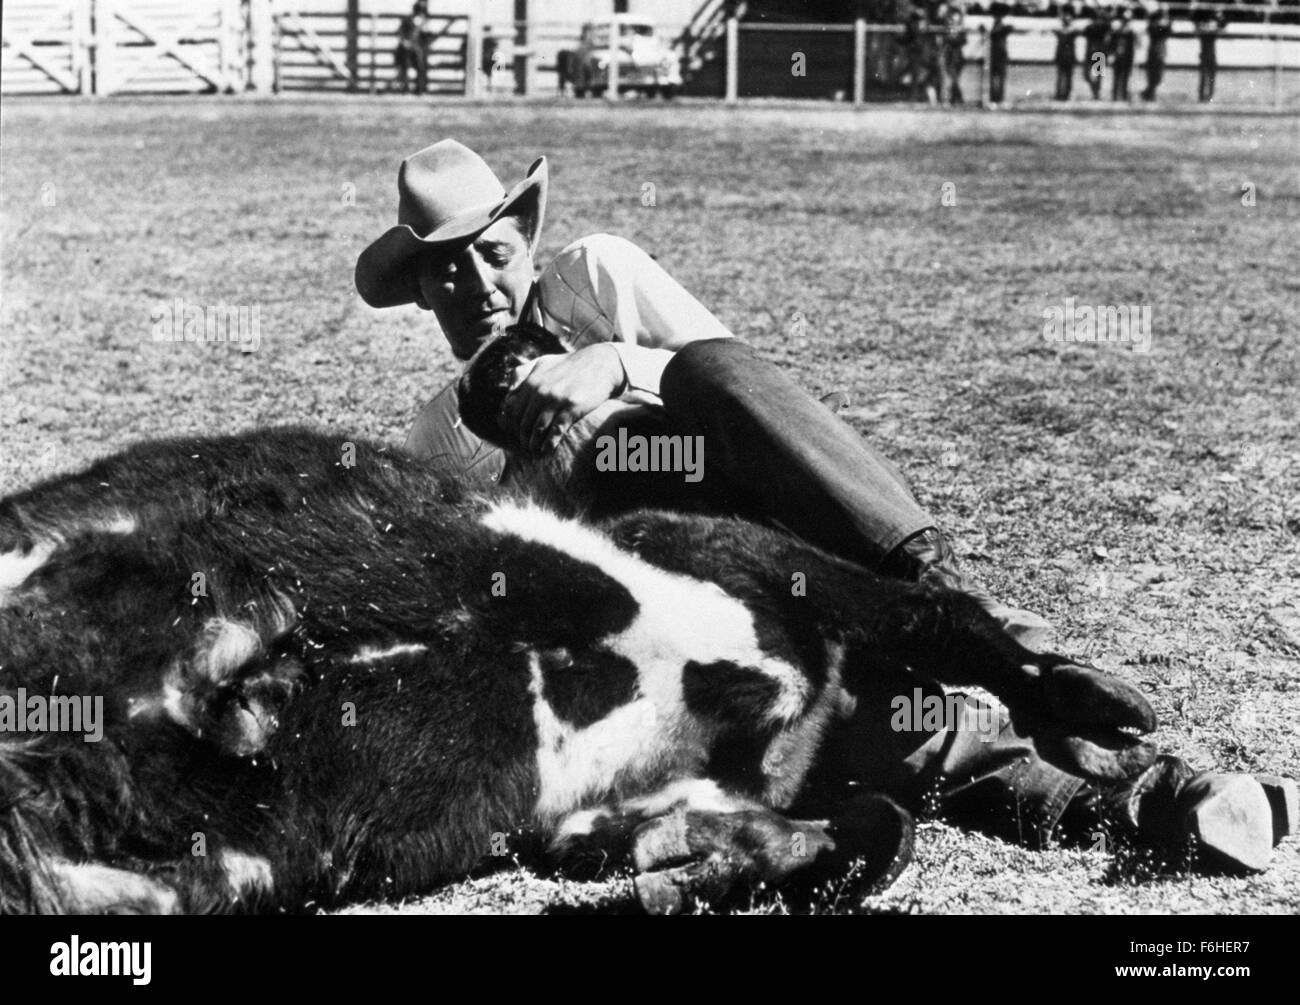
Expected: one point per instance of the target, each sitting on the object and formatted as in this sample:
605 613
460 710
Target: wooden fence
312 53
123 46
104 47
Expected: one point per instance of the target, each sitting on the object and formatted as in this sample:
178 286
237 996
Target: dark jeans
776 453
955 68
1205 86
1119 81
1064 81
968 775
1155 74
997 82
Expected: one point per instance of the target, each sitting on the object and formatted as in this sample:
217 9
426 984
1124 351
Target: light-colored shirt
598 289
606 289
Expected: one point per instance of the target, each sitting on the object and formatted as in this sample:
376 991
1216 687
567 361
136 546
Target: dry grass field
1148 503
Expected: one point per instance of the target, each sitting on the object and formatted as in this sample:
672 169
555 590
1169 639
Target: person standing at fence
998 54
1065 55
1208 29
914 42
404 55
1158 32
954 53
1123 48
424 41
1095 36
564 69
936 63
489 56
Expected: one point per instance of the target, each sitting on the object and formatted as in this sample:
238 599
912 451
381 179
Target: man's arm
603 293
606 289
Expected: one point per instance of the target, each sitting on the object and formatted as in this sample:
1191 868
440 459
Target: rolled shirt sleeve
605 289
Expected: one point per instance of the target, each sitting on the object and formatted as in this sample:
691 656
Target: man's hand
554 392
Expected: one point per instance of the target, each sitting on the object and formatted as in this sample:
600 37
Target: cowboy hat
447 196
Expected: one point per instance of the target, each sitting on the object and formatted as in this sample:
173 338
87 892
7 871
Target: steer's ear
490 375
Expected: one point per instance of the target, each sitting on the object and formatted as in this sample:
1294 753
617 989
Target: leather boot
927 557
1232 820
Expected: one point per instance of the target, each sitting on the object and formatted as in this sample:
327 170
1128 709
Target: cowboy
464 249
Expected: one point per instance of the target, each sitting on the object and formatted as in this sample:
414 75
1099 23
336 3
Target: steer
327 676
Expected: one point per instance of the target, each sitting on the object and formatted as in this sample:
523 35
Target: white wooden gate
159 46
123 46
106 47
45 48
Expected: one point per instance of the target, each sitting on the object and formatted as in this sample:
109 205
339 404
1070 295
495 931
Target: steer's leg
1078 714
1080 718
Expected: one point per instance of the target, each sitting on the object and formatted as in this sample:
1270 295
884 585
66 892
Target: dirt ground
1147 503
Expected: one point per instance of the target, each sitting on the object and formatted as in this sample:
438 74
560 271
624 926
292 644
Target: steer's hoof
676 890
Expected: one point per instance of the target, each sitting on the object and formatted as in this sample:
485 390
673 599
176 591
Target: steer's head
566 478
490 375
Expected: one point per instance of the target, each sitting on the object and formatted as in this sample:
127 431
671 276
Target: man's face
479 290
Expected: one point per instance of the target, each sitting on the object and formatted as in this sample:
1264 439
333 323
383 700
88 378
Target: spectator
1123 46
936 62
405 56
1095 37
954 53
1208 29
998 55
915 42
1065 55
1158 31
424 39
488 55
564 69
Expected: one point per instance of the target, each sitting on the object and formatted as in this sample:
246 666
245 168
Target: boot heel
1232 818
1284 798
